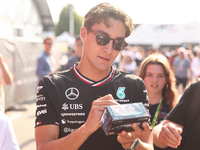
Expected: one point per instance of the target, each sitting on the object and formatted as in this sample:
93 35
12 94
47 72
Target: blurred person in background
160 83
78 47
181 66
8 139
172 56
6 78
129 65
151 50
139 54
195 65
46 63
190 57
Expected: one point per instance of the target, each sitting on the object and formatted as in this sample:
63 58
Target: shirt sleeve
9 140
179 113
45 109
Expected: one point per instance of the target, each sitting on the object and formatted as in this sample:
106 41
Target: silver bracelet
134 145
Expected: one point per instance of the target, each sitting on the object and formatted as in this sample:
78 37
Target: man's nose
109 47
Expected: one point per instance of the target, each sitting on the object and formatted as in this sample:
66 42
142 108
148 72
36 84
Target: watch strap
134 145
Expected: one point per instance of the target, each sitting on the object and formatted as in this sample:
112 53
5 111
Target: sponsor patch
72 93
69 130
39 88
42 112
120 93
72 114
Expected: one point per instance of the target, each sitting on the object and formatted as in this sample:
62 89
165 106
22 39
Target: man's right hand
97 109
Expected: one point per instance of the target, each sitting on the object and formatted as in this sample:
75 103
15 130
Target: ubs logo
72 93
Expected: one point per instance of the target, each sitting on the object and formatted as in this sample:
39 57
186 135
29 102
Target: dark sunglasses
103 40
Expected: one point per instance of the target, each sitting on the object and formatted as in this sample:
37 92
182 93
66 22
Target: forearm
156 140
7 76
71 142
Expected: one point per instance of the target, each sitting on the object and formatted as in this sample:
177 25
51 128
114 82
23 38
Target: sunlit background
162 24
141 11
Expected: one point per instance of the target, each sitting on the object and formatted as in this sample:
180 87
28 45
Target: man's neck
92 73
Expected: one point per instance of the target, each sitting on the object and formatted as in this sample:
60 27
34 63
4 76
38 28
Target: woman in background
129 64
160 83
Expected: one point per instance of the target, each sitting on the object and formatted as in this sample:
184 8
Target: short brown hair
48 38
103 11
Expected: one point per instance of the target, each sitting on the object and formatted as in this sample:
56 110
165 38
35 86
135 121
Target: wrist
134 144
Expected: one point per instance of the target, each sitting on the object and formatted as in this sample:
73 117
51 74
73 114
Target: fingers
105 101
127 138
180 130
146 127
170 135
108 97
98 106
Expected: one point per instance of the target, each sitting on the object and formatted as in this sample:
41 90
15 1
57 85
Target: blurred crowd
184 60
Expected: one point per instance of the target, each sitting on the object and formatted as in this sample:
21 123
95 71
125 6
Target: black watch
134 145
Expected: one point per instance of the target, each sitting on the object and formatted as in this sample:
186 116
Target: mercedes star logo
72 93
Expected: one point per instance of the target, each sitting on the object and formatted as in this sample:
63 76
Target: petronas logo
120 93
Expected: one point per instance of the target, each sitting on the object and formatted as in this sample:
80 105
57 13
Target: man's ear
83 33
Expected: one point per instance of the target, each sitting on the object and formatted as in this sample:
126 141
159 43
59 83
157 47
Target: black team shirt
65 99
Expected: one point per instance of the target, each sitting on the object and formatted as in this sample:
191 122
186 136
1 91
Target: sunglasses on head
103 39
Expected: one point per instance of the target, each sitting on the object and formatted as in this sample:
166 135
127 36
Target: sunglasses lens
119 45
102 40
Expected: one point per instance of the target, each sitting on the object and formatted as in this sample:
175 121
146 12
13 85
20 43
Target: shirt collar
93 83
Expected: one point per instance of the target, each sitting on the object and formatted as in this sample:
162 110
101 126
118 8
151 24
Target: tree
63 23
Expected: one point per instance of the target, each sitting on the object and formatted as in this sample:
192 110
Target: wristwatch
134 145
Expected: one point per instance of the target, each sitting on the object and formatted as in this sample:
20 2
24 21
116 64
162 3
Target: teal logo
120 93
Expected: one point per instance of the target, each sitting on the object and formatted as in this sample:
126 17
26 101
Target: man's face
47 45
181 55
97 56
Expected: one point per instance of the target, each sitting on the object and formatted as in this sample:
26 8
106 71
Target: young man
171 132
70 103
46 61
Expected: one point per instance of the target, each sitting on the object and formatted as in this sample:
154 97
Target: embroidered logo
65 106
120 93
39 88
72 93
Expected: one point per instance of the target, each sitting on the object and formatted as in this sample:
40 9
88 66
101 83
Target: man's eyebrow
103 32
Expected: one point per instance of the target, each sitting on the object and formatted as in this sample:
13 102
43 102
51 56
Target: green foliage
63 23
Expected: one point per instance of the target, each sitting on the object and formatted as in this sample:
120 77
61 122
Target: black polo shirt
65 99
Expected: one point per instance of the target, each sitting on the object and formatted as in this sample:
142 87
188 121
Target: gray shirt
181 67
